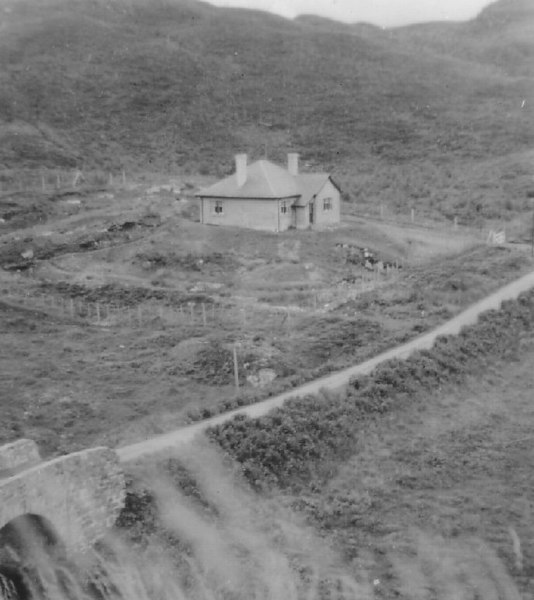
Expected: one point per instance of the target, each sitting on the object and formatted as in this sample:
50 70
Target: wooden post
123 177
58 180
455 223
110 179
204 322
381 211
43 184
236 369
192 307
413 215
98 312
213 311
139 315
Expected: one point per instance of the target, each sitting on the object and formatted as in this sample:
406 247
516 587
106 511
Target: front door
311 213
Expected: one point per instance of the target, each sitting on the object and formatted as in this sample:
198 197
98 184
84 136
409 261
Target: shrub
298 441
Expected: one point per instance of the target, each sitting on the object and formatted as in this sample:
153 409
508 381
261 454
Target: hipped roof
265 180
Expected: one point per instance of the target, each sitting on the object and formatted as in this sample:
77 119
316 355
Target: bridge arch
72 499
26 534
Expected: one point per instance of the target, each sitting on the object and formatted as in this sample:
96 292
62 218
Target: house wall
302 217
287 218
242 212
328 217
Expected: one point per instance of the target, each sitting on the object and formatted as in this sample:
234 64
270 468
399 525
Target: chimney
241 169
293 163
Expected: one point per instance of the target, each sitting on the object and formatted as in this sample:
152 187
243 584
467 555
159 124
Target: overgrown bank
306 438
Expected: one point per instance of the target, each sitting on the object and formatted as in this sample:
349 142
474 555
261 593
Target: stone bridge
72 499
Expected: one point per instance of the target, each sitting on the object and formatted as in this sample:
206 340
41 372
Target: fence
276 313
49 180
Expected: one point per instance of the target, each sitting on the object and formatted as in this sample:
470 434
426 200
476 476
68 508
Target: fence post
413 215
204 314
236 369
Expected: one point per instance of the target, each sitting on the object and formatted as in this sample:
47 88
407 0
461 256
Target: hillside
179 84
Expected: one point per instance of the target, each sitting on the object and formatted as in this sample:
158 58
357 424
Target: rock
262 378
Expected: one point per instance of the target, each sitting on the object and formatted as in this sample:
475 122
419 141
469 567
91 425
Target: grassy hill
179 84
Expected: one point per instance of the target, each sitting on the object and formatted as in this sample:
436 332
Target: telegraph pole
236 369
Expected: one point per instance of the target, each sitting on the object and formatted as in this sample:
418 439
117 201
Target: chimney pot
293 163
241 169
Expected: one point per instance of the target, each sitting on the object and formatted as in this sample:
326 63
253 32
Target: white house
265 196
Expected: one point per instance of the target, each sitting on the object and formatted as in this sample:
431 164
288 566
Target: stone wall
20 454
80 494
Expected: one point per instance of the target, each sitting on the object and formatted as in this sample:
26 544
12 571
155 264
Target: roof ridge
266 175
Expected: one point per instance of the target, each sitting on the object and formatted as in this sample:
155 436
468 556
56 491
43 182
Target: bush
299 440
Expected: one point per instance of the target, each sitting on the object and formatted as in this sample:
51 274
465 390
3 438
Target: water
213 541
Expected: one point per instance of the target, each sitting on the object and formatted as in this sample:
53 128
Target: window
327 204
218 207
283 207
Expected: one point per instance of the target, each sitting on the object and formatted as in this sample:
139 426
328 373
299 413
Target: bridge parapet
18 455
80 494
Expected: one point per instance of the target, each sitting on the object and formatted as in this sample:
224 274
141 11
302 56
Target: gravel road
334 381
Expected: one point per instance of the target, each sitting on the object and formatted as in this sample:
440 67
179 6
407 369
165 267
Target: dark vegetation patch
115 294
214 364
189 262
140 518
307 437
333 337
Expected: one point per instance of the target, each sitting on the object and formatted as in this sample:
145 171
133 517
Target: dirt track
335 381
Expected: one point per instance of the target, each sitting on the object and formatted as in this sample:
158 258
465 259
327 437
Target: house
265 196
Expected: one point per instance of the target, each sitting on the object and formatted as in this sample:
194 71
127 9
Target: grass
301 440
115 382
392 132
421 472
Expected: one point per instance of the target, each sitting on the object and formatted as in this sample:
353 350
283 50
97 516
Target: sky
385 13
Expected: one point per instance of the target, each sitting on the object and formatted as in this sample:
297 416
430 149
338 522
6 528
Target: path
334 381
